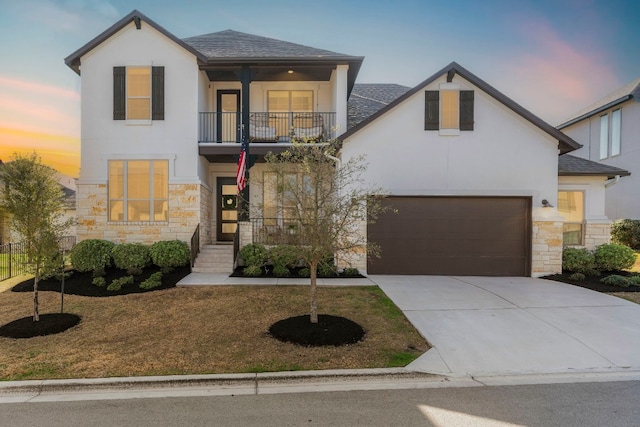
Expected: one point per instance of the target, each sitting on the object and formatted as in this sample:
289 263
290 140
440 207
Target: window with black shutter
466 110
432 110
138 93
119 93
433 116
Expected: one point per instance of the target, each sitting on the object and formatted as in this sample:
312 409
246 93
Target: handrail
195 245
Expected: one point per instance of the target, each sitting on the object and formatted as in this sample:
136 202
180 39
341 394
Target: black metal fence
13 257
278 231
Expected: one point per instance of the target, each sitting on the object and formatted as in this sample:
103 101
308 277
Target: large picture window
571 207
138 190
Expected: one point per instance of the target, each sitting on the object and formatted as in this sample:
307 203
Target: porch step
214 259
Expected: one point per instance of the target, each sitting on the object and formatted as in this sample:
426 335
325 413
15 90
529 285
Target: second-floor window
449 110
138 93
610 137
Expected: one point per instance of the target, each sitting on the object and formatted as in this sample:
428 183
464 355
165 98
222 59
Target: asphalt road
580 404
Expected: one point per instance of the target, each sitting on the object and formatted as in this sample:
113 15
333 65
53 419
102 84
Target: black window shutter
119 95
432 110
466 110
157 93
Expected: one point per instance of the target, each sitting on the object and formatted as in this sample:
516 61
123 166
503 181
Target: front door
228 123
227 210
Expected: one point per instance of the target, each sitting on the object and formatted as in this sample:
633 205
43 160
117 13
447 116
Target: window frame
435 110
122 195
121 94
616 132
581 223
604 136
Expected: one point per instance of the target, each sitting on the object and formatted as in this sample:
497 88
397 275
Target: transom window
138 190
571 207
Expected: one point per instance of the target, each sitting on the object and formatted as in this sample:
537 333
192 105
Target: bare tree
33 199
325 205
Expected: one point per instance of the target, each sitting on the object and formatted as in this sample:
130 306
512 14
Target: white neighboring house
609 130
163 119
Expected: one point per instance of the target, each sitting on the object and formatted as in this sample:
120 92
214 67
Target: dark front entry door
228 122
227 210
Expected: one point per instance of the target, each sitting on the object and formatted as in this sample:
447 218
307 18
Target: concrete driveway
516 325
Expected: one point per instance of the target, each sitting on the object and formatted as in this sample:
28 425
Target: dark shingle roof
629 91
234 44
569 165
566 144
367 98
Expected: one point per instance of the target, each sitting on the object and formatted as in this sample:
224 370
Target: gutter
612 182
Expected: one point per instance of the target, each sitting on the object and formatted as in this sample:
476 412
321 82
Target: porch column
340 98
245 79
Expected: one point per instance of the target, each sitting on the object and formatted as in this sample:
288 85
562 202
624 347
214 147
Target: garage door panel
454 236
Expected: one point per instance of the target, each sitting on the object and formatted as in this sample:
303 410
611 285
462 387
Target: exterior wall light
546 204
290 71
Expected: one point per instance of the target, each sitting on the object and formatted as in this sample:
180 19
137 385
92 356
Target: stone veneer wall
186 207
596 234
546 257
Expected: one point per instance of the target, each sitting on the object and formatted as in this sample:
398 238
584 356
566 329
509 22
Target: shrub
117 284
92 255
578 260
99 282
168 254
304 272
613 257
327 269
284 256
132 257
626 232
351 272
281 271
254 254
252 271
621 281
153 281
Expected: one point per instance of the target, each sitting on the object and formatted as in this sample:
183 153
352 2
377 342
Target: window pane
160 179
138 210
450 113
604 136
572 234
139 81
138 179
278 101
301 100
116 180
160 208
615 133
289 195
138 108
116 210
571 205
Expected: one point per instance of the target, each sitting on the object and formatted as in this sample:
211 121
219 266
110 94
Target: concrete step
214 259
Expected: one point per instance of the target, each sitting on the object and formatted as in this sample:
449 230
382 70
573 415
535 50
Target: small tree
324 205
33 199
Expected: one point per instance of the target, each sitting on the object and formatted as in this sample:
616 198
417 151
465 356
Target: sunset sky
553 57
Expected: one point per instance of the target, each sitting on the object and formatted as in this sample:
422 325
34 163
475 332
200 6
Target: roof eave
609 175
73 60
595 111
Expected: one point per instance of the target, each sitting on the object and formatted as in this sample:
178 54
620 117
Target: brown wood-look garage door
466 236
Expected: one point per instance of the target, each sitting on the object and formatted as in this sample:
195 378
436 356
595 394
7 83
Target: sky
554 57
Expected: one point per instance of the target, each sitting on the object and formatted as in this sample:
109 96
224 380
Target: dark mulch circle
295 273
52 323
81 283
330 330
594 283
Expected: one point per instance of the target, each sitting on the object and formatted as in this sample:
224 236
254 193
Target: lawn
201 330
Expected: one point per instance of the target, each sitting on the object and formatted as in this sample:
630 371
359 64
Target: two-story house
609 130
473 175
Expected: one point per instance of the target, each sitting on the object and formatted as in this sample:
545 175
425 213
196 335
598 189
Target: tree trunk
36 314
313 316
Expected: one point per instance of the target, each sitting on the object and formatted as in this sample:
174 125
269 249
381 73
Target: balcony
269 128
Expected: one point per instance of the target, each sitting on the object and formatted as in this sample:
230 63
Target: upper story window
138 190
449 110
610 137
138 93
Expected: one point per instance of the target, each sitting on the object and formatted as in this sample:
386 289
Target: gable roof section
73 60
368 98
566 144
629 91
569 165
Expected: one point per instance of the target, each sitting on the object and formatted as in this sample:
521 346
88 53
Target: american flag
241 178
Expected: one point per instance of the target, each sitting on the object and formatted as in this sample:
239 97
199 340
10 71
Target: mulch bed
48 324
295 273
593 282
329 331
80 283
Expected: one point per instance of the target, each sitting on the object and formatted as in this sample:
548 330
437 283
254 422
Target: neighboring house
610 133
163 118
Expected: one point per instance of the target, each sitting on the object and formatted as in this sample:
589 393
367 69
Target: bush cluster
132 257
622 281
607 257
92 255
169 254
626 232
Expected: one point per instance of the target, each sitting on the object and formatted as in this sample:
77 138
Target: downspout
612 182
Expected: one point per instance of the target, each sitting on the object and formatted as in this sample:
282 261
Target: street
578 404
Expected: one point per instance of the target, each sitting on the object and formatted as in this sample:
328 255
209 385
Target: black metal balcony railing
277 231
220 127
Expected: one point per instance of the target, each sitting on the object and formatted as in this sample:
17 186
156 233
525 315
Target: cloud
554 78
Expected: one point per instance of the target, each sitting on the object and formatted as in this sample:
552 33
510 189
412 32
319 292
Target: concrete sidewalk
492 326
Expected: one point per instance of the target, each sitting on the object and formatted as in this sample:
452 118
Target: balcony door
228 120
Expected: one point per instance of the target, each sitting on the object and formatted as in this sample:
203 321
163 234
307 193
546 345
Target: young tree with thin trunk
34 201
325 204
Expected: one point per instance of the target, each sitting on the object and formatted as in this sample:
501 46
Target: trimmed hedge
254 255
92 255
168 254
578 260
612 257
132 257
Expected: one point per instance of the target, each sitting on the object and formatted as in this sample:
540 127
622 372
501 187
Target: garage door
466 236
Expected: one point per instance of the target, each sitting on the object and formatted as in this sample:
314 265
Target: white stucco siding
176 135
503 155
593 187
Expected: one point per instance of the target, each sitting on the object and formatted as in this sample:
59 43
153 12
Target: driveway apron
515 325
